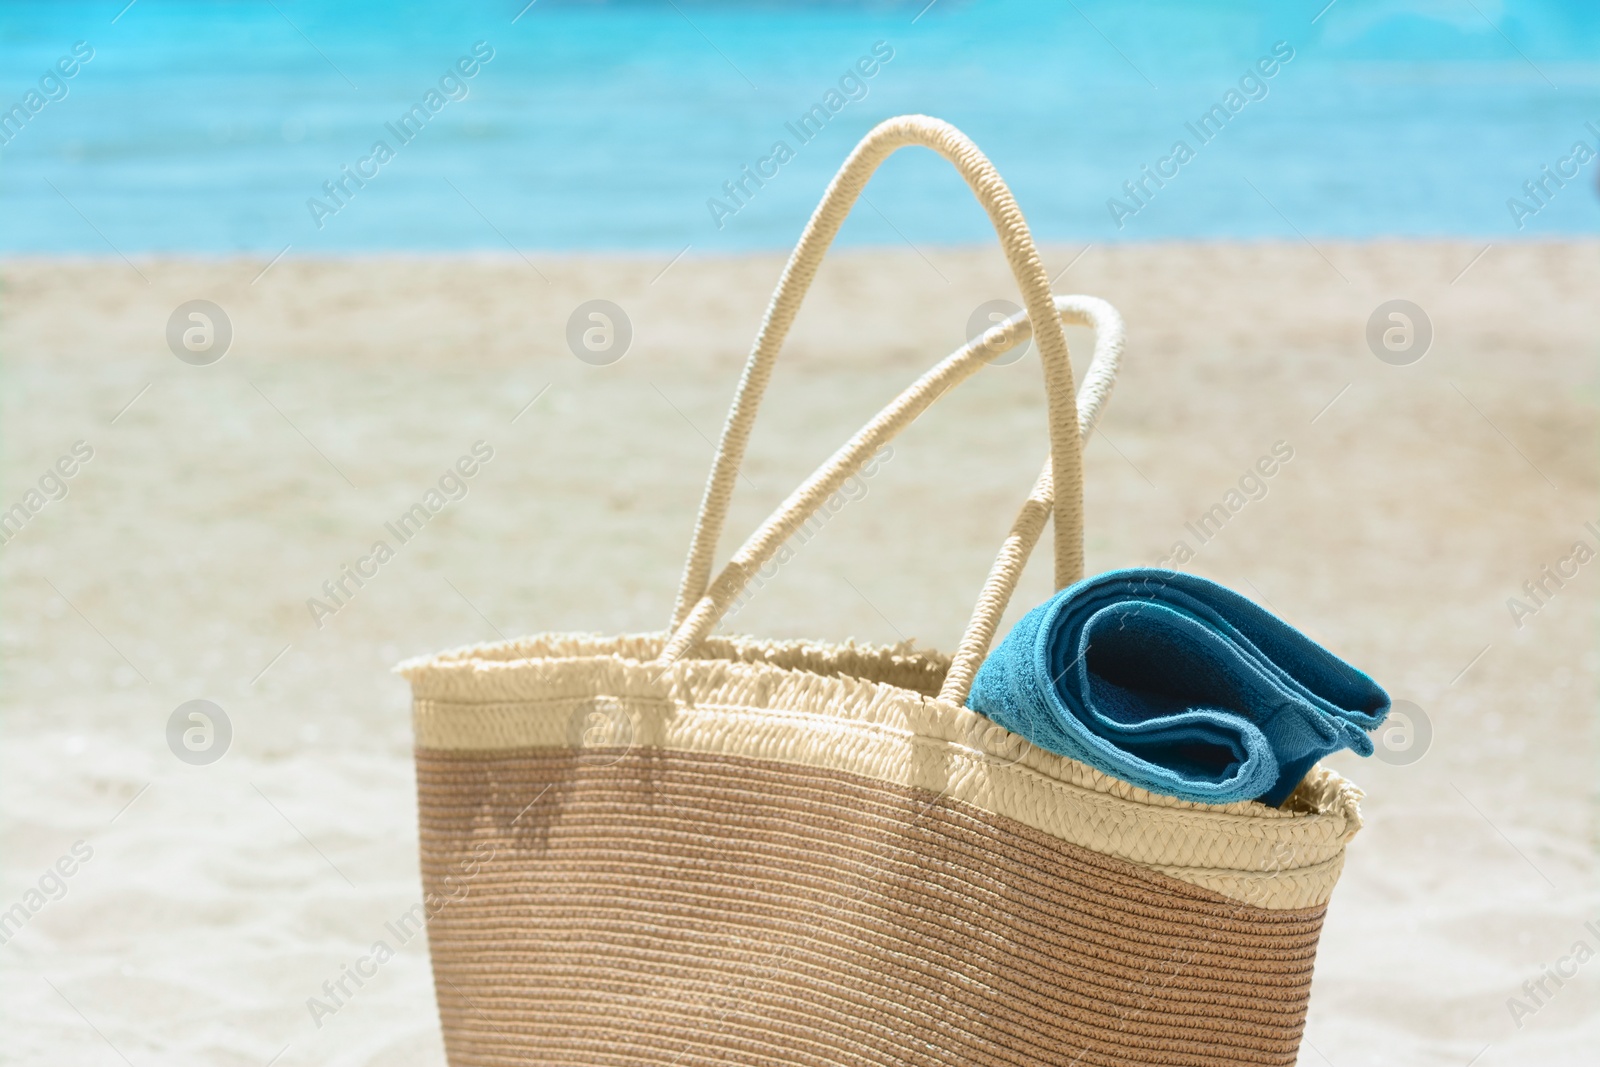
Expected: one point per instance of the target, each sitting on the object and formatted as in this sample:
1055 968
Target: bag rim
870 710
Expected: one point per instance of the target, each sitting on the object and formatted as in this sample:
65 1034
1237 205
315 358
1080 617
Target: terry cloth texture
1178 685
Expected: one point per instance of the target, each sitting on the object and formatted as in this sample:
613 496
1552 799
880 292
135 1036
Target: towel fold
1177 685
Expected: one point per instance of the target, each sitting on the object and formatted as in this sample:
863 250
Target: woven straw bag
685 849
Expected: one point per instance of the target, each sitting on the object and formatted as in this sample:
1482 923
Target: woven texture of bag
677 848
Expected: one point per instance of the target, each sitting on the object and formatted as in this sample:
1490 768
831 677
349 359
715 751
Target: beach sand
219 498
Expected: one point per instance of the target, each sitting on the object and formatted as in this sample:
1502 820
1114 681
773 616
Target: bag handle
1017 243
805 501
998 587
701 603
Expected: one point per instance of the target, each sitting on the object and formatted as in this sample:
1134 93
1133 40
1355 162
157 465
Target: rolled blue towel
1177 685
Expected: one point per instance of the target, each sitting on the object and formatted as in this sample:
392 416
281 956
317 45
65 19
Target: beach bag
686 849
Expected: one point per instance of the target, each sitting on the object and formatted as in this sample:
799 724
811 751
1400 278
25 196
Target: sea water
343 127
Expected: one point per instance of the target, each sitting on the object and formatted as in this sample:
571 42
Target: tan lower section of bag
654 907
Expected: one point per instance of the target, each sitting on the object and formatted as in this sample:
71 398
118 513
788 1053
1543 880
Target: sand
217 898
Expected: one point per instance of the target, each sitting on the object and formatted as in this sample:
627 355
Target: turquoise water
212 127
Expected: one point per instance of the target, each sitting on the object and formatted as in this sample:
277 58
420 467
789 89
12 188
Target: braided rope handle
998 587
1017 243
703 602
805 501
